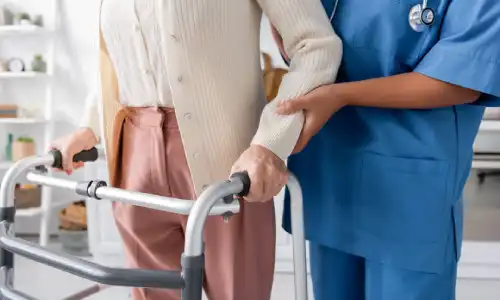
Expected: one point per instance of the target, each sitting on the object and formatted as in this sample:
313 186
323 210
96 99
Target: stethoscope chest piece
421 17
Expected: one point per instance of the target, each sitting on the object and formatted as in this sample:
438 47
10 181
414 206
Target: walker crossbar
89 270
189 279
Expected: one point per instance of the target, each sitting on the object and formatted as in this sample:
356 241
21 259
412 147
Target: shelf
14 75
22 120
33 211
23 30
490 125
486 164
28 212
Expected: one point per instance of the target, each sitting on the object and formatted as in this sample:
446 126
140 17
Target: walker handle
84 156
245 179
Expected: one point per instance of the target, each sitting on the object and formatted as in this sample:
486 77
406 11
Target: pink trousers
239 255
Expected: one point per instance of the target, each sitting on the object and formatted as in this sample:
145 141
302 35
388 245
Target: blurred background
48 66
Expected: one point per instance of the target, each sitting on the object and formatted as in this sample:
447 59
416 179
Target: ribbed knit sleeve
315 53
91 113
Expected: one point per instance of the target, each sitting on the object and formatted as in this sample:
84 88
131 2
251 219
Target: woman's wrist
88 136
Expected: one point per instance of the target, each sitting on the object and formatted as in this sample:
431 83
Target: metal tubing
202 206
89 270
299 244
84 294
192 272
173 205
9 293
207 204
9 180
51 181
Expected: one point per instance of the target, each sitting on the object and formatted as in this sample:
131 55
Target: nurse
389 147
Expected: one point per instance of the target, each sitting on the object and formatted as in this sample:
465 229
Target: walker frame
217 199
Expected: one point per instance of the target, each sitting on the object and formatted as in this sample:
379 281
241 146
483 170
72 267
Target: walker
217 199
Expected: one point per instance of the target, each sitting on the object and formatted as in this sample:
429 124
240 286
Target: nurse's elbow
463 95
471 95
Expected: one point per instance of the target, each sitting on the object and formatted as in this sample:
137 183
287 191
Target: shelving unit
47 33
20 75
490 125
23 30
23 121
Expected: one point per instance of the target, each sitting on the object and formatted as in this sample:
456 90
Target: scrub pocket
403 200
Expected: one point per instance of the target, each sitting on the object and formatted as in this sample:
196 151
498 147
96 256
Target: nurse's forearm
405 91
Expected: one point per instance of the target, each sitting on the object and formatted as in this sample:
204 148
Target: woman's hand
79 140
318 106
268 173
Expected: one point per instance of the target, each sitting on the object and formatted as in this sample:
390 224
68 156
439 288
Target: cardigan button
188 116
196 155
179 78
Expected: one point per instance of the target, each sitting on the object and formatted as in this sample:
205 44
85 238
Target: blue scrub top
386 184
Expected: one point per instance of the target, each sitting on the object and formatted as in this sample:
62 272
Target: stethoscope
419 18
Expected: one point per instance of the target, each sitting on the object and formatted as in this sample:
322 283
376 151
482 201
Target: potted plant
38 64
23 147
23 19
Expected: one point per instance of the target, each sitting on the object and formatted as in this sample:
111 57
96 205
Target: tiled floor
482 223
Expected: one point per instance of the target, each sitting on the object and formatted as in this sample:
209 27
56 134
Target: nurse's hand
268 173
73 143
318 106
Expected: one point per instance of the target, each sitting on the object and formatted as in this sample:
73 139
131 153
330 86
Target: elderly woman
182 95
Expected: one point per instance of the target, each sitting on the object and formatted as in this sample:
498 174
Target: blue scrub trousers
337 275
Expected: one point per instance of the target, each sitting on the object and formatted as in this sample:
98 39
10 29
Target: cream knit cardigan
213 46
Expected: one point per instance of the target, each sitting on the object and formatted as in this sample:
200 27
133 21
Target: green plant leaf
24 139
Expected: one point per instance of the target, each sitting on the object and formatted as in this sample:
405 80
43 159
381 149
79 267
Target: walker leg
87 292
7 215
192 272
299 244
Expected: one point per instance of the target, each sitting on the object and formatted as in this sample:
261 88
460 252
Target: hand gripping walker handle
83 156
245 179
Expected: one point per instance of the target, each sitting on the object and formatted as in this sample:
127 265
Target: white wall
268 45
